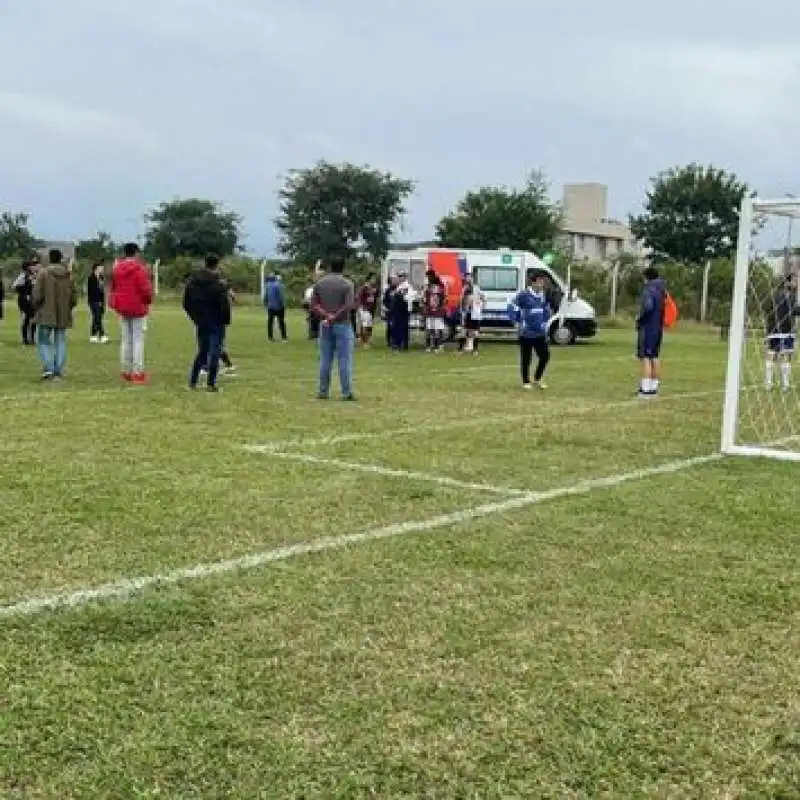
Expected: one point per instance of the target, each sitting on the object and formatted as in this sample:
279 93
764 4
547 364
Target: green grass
636 641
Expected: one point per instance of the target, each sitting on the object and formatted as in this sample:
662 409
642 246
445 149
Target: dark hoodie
780 316
651 305
206 301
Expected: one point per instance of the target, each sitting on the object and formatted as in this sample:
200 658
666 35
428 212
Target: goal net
762 392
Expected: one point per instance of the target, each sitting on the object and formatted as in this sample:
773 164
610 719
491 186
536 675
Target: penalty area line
127 588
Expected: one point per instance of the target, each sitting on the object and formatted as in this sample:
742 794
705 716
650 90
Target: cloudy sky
110 106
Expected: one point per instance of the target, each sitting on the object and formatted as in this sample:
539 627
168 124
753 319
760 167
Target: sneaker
321 396
140 378
229 371
126 376
94 340
350 398
104 340
540 385
646 395
47 376
527 386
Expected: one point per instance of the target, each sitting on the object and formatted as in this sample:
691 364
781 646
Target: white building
587 231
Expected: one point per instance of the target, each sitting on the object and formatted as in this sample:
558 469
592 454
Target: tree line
690 216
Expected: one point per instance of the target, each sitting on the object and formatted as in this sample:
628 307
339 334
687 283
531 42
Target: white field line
271 380
377 469
125 588
478 421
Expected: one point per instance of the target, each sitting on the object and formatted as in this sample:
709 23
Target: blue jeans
209 344
52 346
336 340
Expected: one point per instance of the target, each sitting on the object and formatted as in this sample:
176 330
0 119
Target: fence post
614 283
704 295
262 276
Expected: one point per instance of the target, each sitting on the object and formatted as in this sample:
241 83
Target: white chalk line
266 379
389 472
487 420
125 588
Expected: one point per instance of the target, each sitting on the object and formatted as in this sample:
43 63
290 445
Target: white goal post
761 416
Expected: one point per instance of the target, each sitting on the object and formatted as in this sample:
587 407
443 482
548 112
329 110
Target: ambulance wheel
563 334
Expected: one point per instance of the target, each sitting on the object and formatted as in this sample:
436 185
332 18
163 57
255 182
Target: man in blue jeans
207 304
332 301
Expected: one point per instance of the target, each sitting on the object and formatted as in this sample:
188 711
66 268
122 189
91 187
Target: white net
763 333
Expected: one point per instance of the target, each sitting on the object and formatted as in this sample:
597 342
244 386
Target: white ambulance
500 274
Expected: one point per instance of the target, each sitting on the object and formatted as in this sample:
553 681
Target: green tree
339 210
691 214
191 228
16 239
100 248
492 217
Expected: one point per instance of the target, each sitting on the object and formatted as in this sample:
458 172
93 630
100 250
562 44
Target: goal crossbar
740 332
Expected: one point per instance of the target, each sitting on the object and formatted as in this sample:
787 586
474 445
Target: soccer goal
762 391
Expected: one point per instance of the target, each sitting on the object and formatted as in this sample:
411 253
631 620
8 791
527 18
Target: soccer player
367 303
650 332
130 296
433 308
531 311
781 336
473 301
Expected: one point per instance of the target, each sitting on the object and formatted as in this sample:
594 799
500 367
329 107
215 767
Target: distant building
587 232
67 250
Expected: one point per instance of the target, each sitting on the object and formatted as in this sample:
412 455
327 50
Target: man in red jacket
130 296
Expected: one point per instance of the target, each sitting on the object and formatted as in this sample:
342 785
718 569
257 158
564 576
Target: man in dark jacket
54 298
206 303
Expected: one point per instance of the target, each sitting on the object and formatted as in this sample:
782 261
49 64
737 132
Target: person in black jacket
207 304
96 297
23 286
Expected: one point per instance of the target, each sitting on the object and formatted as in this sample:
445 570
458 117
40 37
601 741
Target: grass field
450 589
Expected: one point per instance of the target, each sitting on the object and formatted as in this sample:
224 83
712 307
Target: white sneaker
527 386
104 340
94 340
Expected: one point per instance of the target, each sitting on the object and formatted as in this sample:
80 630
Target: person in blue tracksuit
531 310
275 302
650 331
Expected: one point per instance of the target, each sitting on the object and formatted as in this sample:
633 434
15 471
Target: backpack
670 314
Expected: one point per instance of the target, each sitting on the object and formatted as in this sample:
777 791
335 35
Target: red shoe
126 376
139 378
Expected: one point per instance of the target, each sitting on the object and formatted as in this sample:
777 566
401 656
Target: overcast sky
110 106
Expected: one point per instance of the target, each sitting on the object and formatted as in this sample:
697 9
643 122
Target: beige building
587 231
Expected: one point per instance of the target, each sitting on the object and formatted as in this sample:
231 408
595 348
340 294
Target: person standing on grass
23 286
332 301
473 302
131 296
96 297
53 299
650 332
367 303
275 301
433 309
531 311
781 336
228 367
207 304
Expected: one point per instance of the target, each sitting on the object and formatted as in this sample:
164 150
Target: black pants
527 347
97 310
271 317
27 326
